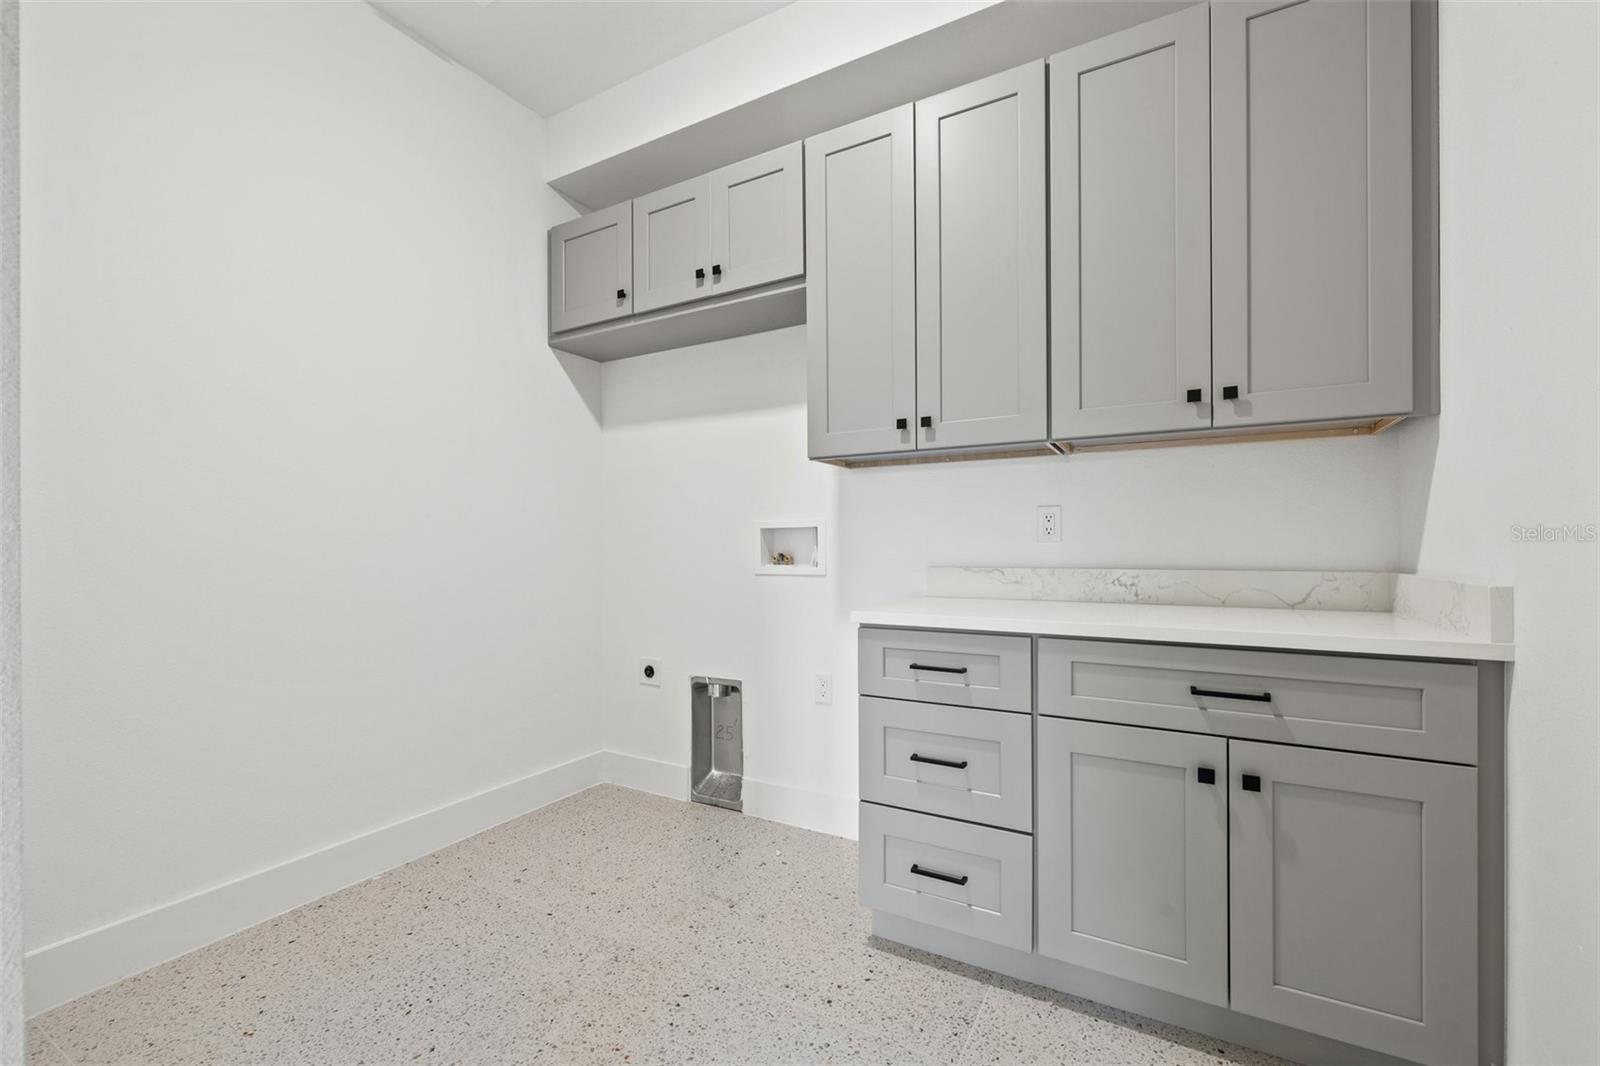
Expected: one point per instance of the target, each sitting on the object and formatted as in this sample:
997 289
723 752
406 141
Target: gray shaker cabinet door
757 221
1355 898
1311 210
1130 217
861 287
1132 845
672 245
591 268
982 374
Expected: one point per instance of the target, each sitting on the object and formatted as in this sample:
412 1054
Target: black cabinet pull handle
1250 782
937 876
899 423
929 759
1193 396
622 294
926 421
1253 697
699 273
716 270
940 669
1230 392
1207 775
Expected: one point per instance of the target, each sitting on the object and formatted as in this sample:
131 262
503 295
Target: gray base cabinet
1133 876
1355 898
1291 842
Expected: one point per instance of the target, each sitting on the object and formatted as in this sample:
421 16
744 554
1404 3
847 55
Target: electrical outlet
1049 525
822 689
650 672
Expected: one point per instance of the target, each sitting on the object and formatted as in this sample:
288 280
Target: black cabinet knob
1250 782
1207 775
899 423
1192 396
926 421
1230 392
699 273
716 270
622 294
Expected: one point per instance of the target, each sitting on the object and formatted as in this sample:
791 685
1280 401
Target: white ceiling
551 54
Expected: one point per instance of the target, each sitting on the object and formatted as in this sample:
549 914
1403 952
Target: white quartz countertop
1350 632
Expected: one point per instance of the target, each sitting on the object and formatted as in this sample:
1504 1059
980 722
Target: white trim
647 775
80 964
821 812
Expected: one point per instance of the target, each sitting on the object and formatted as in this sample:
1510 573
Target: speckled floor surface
612 927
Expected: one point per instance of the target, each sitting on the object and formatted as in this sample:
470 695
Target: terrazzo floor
611 927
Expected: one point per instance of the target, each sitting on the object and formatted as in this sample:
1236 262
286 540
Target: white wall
311 520
775 51
1516 444
702 444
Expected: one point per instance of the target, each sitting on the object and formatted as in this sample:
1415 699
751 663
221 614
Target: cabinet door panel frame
619 219
1200 969
1391 364
822 320
1185 35
1445 1029
693 196
782 165
1028 423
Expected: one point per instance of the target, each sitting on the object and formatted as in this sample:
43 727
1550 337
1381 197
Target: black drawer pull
1207 775
937 876
699 273
931 761
1253 697
940 669
716 270
1250 782
622 294
899 423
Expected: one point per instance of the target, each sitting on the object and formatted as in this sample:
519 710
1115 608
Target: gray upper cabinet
672 245
1354 896
1130 218
1311 210
861 287
591 268
980 188
1132 837
757 224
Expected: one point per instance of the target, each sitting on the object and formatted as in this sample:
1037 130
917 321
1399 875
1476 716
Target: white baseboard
821 812
70 968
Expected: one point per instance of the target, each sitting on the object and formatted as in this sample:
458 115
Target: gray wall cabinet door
1311 210
982 374
757 221
1130 217
1355 898
591 268
672 245
1132 845
861 287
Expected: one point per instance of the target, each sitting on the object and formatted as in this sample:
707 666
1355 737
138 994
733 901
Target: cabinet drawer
968 669
1420 710
966 878
953 761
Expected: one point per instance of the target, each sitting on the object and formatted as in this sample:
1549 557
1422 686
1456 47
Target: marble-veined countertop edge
1350 613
